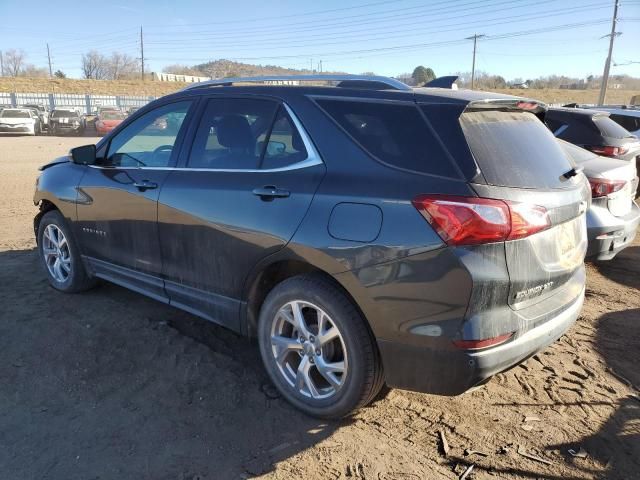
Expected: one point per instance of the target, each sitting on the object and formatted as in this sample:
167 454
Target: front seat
234 133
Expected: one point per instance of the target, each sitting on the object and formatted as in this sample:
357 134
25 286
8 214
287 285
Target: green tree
419 75
430 74
59 74
422 75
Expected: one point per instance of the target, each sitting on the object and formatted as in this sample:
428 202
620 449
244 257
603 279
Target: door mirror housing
84 155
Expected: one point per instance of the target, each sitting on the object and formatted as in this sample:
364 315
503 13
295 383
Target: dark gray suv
364 232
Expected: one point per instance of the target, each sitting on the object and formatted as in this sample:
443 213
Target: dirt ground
111 385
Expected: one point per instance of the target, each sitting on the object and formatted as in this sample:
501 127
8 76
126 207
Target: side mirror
84 155
275 148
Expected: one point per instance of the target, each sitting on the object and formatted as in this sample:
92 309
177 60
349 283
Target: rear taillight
484 343
473 220
608 150
601 187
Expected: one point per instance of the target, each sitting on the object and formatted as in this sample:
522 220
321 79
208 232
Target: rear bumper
411 367
608 235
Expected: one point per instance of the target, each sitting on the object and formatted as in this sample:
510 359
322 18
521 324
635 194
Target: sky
524 38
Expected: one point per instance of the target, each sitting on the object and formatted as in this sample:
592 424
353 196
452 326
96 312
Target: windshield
14 114
112 116
609 128
63 114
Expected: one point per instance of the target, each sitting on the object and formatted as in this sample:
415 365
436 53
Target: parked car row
62 120
364 232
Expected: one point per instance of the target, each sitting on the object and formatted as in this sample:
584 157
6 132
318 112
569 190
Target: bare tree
121 65
14 62
95 66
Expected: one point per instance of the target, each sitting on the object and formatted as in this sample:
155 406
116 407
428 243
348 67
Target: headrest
234 132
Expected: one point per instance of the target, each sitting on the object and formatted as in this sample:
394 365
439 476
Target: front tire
317 348
60 255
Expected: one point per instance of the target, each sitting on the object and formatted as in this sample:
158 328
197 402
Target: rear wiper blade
573 172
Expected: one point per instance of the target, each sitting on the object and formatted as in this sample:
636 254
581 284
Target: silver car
613 218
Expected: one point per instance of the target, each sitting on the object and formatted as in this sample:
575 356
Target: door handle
270 192
145 185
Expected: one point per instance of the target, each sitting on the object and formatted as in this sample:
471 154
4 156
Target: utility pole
49 57
1 65
311 65
320 66
475 38
607 63
141 53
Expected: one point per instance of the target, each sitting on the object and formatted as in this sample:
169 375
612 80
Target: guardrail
86 103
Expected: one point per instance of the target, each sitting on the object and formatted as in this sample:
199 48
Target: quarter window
149 140
393 133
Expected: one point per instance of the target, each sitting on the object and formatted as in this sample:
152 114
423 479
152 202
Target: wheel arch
44 207
268 276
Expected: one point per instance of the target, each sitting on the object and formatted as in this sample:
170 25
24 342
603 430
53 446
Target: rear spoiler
443 82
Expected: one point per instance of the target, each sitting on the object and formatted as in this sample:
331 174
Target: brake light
527 105
601 187
473 221
608 150
479 344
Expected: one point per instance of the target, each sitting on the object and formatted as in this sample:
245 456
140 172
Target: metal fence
84 103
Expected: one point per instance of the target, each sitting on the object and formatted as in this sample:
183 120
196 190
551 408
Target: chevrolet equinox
364 232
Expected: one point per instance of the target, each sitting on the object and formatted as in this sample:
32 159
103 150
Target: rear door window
394 134
515 149
609 128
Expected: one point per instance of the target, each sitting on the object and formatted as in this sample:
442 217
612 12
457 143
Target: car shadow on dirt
624 268
111 384
616 444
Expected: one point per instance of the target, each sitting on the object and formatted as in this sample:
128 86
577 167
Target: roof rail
361 79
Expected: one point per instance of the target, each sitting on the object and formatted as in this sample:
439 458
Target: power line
339 40
396 48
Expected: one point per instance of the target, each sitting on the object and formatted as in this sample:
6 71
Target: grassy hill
149 87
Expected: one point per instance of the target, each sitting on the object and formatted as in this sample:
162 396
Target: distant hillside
228 68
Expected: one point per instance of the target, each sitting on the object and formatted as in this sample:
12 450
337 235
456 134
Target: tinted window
630 123
285 146
394 134
609 128
554 125
232 134
514 149
148 141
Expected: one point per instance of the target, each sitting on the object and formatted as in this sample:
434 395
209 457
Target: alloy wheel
309 350
56 253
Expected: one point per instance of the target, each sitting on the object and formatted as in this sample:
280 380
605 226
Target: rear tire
326 365
60 255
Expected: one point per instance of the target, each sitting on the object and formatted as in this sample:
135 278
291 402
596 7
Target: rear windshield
515 149
625 121
609 128
395 134
14 114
